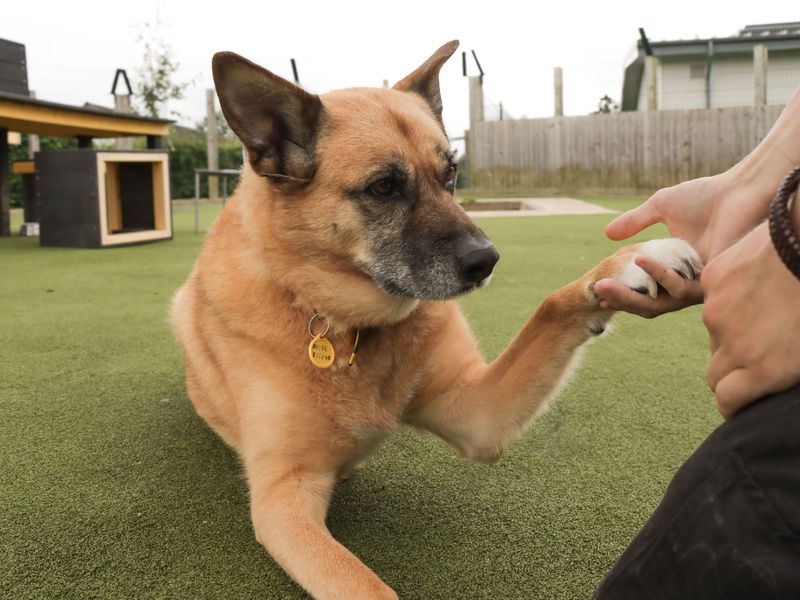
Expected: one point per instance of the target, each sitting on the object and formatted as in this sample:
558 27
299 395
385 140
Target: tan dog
346 211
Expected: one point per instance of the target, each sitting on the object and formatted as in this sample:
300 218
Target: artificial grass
111 487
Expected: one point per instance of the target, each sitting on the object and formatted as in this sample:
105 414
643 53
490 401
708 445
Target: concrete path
543 207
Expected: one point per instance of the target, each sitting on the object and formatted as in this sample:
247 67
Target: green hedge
186 155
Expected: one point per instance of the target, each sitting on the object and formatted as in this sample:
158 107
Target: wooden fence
617 152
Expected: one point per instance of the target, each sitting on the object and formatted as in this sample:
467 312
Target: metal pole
224 189
196 202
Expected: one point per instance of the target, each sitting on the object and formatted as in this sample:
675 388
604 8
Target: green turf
111 487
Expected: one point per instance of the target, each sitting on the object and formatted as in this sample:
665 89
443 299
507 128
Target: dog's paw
673 252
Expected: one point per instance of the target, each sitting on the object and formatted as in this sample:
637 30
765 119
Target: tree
606 105
156 84
223 130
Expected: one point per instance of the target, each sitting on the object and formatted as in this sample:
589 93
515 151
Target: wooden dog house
91 199
85 197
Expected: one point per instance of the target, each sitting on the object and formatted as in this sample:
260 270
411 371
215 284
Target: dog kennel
96 198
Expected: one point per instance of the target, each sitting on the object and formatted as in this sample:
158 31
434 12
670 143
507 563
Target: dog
319 315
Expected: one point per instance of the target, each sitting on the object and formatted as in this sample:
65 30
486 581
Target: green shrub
187 154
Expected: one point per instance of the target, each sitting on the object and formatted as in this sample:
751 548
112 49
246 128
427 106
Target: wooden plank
161 197
112 196
47 120
22 167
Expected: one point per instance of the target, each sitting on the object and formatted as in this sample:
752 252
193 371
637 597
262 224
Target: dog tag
321 353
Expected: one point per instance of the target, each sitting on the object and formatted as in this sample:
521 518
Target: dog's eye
384 187
450 177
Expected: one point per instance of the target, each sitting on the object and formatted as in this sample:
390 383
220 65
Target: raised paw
673 252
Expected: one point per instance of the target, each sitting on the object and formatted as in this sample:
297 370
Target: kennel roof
41 117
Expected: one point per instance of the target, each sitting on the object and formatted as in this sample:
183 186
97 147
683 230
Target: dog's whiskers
289 177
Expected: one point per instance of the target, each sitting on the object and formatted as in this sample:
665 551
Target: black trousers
728 526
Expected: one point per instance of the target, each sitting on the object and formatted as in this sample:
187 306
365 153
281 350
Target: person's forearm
778 153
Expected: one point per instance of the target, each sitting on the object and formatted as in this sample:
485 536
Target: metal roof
775 36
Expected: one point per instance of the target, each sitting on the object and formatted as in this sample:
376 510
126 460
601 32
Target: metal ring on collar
311 322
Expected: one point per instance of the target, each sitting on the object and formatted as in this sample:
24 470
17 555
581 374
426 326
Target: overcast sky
74 48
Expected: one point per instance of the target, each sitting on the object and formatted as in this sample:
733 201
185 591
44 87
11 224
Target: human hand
710 213
680 291
752 313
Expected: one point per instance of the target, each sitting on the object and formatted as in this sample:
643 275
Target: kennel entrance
135 198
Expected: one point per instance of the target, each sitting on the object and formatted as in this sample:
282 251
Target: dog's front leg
481 408
288 506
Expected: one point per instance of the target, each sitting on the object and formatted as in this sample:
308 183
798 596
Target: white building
759 65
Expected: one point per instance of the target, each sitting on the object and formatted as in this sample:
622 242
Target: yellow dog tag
321 353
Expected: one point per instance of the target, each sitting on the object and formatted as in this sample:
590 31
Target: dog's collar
321 351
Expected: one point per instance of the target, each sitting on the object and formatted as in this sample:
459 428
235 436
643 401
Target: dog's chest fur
257 339
368 398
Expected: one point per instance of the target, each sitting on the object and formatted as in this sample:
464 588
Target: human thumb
633 221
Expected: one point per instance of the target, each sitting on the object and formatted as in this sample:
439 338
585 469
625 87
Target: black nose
476 258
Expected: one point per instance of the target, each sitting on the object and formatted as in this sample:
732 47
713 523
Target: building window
697 71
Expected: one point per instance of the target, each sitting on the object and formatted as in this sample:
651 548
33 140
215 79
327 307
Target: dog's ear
425 80
276 120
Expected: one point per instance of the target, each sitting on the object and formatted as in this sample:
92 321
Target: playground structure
84 197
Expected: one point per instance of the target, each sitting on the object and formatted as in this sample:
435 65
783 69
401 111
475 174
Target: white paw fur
673 252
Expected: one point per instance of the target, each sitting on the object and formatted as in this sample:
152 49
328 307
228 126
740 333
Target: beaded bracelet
785 239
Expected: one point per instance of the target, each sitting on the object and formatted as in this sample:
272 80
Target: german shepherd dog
319 314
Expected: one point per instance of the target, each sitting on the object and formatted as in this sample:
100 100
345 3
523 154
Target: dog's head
362 177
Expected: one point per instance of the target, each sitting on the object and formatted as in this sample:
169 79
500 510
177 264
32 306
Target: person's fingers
713 343
721 365
676 286
632 222
617 296
713 316
739 388
669 279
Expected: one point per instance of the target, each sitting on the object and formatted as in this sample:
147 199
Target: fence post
471 138
651 70
475 101
5 185
558 78
760 57
212 145
122 104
